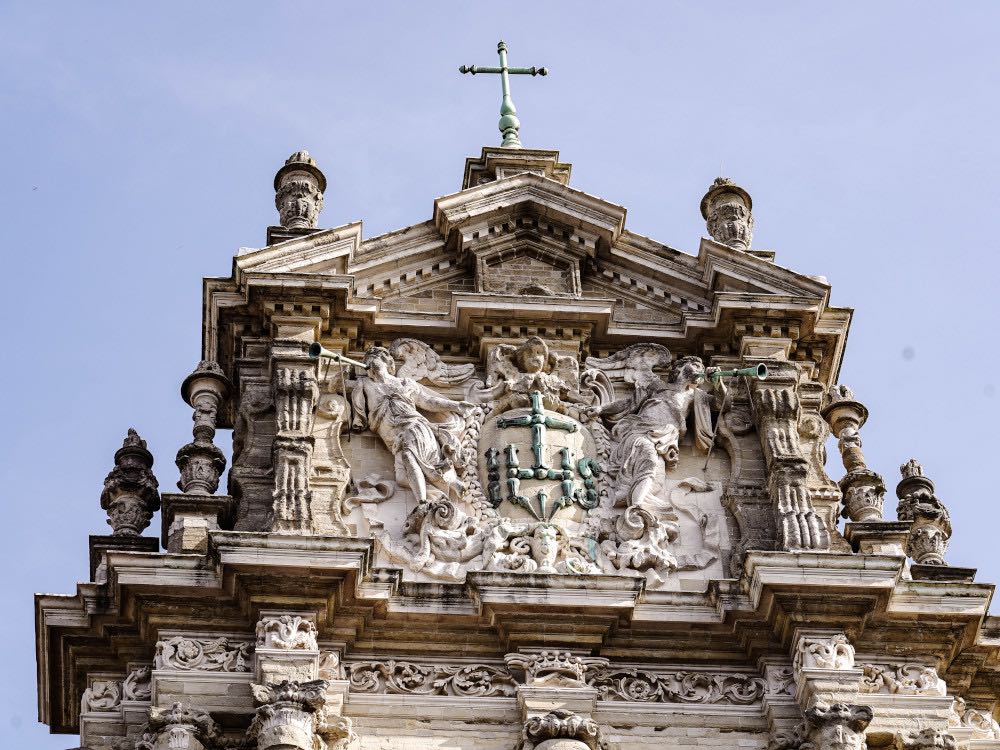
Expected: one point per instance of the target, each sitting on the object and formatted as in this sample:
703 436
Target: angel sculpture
514 372
390 403
649 424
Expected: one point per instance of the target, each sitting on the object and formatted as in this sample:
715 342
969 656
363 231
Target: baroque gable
517 467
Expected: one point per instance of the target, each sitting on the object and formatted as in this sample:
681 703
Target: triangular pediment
529 249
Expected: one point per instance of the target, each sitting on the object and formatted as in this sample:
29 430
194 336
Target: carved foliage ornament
902 679
203 654
982 723
840 726
287 632
404 677
677 687
824 652
138 685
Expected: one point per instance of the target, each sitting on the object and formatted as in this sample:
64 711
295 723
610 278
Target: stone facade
519 499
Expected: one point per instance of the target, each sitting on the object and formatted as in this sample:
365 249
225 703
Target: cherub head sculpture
533 356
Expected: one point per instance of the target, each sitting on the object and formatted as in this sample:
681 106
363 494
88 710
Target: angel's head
380 361
532 356
688 371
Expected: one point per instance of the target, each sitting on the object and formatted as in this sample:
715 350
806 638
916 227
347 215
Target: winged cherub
392 406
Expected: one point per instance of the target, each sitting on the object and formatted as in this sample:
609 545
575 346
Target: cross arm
532 71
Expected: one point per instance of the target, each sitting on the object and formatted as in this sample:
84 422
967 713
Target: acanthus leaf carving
203 654
555 668
677 687
902 679
287 632
138 686
403 677
560 724
102 696
822 651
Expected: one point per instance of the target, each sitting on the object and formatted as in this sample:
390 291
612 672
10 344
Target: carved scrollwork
203 654
403 677
902 679
824 652
555 667
287 632
677 687
138 685
982 723
102 696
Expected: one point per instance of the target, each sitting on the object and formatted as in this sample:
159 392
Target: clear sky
139 144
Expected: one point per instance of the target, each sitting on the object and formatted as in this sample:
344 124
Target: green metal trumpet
758 371
317 350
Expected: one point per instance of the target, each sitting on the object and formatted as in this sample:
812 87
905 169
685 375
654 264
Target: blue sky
139 143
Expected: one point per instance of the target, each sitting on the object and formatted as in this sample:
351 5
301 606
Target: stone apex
724 185
497 162
300 161
206 369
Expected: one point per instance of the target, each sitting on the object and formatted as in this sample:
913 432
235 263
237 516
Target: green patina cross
539 421
509 124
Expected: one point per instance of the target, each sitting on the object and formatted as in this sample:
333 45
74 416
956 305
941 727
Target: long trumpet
758 371
317 350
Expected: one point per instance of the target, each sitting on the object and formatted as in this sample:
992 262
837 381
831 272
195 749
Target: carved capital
131 493
178 728
290 714
560 730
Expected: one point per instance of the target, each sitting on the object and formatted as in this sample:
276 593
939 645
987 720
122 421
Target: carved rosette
727 210
931 521
131 494
560 730
298 191
178 728
864 490
777 410
200 462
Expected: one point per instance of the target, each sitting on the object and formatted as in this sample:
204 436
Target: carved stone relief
287 632
902 679
138 685
203 654
547 472
403 677
823 652
676 687
982 723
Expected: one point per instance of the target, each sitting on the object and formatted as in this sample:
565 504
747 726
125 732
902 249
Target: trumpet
317 350
758 371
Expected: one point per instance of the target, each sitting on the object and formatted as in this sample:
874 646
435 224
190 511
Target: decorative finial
299 186
726 209
201 462
931 521
509 124
131 491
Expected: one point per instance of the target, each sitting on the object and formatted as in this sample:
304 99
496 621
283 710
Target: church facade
518 478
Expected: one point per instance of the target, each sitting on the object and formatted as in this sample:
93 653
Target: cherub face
532 358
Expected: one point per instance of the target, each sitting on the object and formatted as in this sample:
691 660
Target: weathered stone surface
528 501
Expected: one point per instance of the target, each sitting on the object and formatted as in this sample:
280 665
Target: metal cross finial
509 124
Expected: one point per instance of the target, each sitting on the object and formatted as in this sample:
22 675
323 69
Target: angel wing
635 357
499 365
418 361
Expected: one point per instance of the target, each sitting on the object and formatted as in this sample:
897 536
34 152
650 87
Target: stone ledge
100 544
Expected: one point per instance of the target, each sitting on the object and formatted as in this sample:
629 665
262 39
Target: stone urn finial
299 186
726 208
201 463
931 521
131 493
